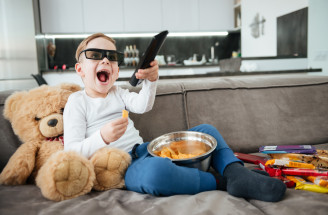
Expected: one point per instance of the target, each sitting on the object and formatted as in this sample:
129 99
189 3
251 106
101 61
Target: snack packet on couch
301 184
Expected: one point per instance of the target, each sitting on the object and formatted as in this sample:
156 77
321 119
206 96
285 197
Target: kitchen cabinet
142 15
103 16
180 15
61 16
120 16
215 15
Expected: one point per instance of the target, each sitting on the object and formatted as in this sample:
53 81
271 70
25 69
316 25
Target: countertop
166 72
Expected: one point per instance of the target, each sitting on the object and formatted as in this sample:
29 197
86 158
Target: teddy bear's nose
52 122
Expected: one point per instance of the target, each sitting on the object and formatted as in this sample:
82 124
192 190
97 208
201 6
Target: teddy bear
36 117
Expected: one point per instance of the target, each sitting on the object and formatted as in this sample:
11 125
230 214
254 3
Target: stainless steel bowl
201 162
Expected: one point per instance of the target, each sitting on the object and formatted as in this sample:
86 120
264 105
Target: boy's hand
150 73
113 130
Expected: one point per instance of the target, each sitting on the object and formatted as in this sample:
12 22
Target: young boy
92 120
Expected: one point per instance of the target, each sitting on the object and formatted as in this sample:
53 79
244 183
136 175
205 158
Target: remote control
149 55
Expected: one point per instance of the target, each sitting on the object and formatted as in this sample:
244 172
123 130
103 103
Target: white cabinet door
142 15
215 15
61 16
180 15
104 16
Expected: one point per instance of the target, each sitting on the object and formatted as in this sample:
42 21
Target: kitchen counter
162 67
166 72
232 73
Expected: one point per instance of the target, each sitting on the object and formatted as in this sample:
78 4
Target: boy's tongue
102 76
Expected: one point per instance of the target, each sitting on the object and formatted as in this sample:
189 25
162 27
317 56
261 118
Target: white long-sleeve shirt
84 116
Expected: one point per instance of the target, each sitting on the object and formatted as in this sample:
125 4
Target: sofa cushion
9 142
261 110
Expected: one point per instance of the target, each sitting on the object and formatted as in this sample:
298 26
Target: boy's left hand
150 73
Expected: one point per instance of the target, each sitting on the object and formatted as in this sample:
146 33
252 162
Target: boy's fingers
120 121
149 72
154 63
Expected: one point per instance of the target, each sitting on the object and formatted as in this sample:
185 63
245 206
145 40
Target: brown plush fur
60 175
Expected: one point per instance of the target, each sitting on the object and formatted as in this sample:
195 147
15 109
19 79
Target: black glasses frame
119 56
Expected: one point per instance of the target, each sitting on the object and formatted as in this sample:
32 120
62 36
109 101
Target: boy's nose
105 60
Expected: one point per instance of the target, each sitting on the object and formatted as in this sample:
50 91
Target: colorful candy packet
259 160
319 160
301 184
300 149
288 163
303 172
318 180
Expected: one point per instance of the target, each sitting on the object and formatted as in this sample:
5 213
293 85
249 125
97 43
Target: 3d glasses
99 54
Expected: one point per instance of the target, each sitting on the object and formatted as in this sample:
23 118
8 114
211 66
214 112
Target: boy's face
98 75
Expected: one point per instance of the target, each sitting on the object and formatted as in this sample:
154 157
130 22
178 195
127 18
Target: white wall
18 59
318 35
265 45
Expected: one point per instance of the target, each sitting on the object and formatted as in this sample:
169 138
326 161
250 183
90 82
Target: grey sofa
249 111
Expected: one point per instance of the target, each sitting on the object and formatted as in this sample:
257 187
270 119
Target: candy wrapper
318 180
300 149
301 184
255 159
303 172
319 160
259 160
288 163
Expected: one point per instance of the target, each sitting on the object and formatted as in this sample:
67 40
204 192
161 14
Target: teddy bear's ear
12 104
70 87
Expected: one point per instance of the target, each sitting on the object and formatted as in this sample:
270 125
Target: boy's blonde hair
85 42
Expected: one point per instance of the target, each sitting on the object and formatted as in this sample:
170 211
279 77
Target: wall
265 44
318 35
18 58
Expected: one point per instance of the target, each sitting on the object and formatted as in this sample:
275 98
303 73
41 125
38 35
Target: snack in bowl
185 148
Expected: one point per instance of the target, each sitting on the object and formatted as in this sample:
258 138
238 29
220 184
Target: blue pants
161 177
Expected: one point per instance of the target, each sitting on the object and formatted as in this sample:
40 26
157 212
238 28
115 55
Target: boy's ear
78 69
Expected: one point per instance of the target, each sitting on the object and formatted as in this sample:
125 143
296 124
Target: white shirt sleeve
75 126
143 101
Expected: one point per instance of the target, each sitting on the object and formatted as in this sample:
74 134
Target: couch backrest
8 140
266 110
249 111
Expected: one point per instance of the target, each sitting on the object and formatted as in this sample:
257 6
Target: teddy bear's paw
110 165
66 175
12 177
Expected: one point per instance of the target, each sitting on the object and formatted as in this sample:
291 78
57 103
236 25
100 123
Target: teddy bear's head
38 114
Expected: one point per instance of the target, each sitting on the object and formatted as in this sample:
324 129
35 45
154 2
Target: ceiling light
125 35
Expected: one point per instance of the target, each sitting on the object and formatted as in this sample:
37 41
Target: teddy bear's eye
62 110
37 118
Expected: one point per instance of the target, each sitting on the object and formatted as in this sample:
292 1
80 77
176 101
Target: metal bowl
201 162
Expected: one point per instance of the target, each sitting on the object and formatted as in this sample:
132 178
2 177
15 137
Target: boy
92 120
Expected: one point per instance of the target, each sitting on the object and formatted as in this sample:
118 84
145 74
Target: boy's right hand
113 130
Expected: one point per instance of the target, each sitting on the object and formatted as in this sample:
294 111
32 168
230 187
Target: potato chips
183 149
125 113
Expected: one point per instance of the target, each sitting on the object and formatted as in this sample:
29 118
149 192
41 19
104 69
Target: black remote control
150 54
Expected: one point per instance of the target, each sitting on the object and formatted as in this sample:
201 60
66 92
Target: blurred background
39 37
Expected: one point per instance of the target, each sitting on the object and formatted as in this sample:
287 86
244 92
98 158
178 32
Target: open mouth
103 76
